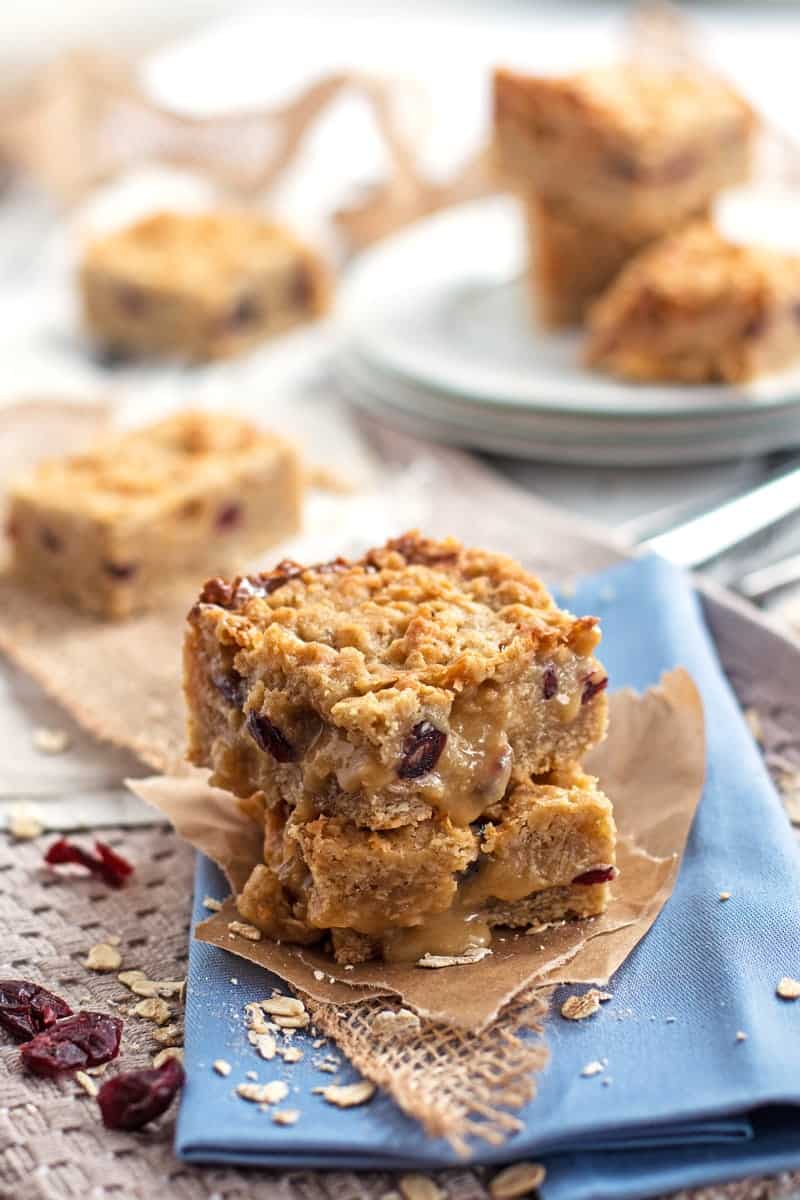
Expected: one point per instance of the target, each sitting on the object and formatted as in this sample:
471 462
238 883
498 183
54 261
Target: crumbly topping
416 615
127 472
194 252
647 111
694 270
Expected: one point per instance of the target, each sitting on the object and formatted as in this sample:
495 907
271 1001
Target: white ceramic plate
440 307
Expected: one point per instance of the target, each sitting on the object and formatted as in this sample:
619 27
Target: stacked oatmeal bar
407 729
607 161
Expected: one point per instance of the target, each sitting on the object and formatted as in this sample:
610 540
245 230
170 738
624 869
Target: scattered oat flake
788 988
724 895
789 785
138 983
169 1052
592 1068
319 975
419 1187
168 1035
23 824
575 1008
291 1054
251 1075
87 1083
284 1006
347 1095
317 1043
266 1045
211 904
103 957
264 1093
753 718
741 1036
286 1116
517 1180
299 1022
396 1023
152 1009
242 929
436 961
51 741
222 1066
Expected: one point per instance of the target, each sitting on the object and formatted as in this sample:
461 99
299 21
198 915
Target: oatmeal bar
381 708
571 260
199 286
631 149
198 492
695 308
545 853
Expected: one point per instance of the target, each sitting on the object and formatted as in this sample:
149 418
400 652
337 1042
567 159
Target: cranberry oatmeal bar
630 149
198 492
201 286
405 727
698 308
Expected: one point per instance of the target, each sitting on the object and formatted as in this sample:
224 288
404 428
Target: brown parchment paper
652 766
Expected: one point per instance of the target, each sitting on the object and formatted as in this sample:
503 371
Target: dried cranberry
245 311
228 516
230 686
130 300
592 686
421 750
108 865
302 288
596 875
754 327
120 571
130 1100
86 1039
623 167
269 738
549 682
51 541
26 1009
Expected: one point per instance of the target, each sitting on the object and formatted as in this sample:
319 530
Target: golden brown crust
698 307
634 151
112 530
199 285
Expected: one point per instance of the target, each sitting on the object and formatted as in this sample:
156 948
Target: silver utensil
698 541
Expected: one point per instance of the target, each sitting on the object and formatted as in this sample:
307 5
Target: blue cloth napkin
681 1101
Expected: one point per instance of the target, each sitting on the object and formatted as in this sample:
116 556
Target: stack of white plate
439 341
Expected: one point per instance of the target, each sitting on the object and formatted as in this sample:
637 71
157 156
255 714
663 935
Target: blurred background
112 108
